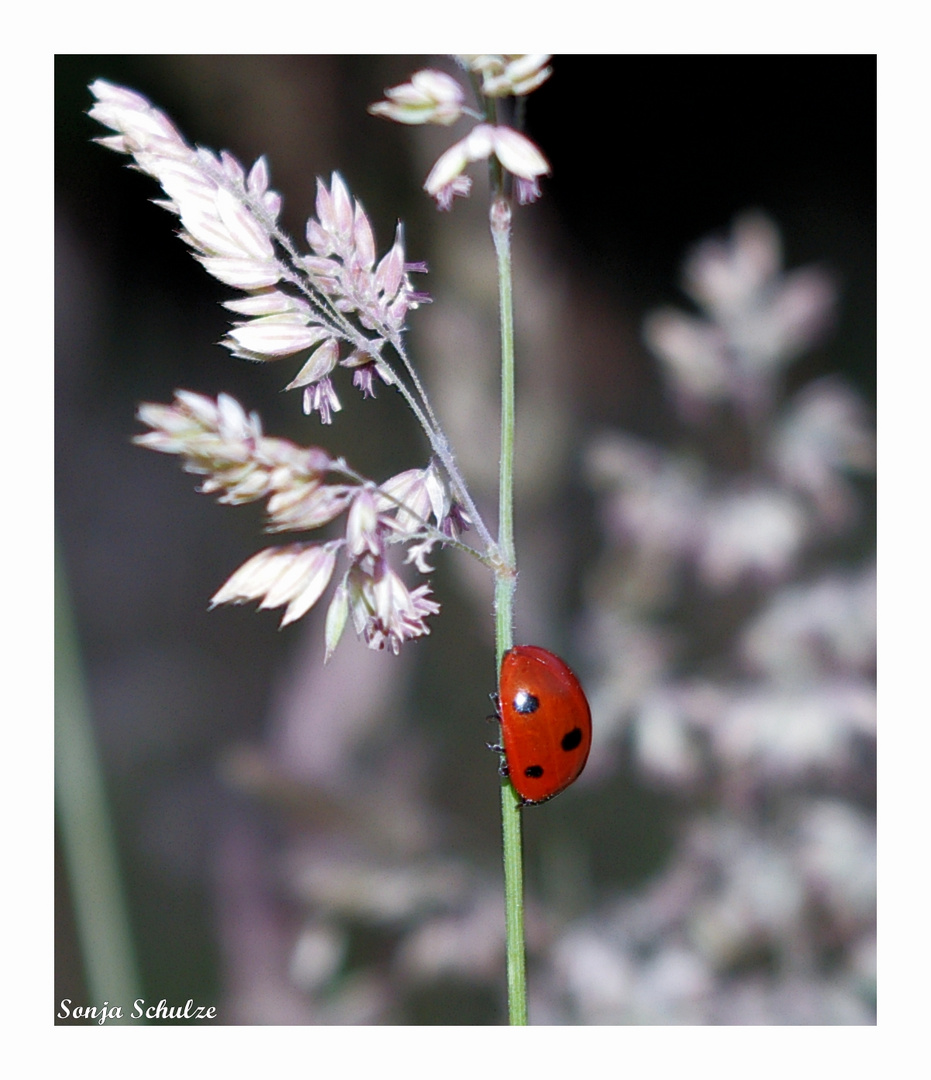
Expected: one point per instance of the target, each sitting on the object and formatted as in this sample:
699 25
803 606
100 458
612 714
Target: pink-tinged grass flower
140 125
455 522
417 554
783 700
344 263
319 393
527 191
209 194
321 362
306 489
229 219
310 505
515 74
219 440
411 498
431 97
384 611
296 575
458 187
301 304
755 319
273 336
364 531
516 153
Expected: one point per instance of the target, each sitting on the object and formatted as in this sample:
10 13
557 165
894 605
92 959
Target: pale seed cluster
734 619
306 489
755 318
338 305
296 305
433 97
801 696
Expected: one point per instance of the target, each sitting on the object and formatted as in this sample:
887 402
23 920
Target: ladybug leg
495 718
497 747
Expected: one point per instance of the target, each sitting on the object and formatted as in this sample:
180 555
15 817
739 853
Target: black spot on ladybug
525 702
571 739
534 771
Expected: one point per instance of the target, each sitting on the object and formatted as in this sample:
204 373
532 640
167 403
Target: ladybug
546 724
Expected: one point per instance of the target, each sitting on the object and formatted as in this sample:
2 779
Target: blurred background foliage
309 845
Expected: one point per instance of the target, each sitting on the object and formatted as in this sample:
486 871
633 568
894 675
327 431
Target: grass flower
755 319
510 75
515 152
339 306
738 660
431 97
307 489
340 294
434 97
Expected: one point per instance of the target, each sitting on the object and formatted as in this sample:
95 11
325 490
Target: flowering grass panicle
338 306
737 640
755 319
340 296
432 97
306 489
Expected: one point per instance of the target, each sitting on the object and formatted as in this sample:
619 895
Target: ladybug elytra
546 723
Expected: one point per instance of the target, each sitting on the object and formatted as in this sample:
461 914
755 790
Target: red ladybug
546 724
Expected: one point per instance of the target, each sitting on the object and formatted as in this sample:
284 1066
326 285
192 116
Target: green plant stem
84 828
505 582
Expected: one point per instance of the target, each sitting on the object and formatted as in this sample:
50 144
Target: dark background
648 153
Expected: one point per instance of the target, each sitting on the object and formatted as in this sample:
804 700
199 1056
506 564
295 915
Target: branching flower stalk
340 306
